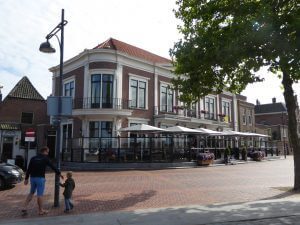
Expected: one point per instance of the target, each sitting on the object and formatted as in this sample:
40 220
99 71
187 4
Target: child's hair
69 174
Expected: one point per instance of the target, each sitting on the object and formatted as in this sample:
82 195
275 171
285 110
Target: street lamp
47 48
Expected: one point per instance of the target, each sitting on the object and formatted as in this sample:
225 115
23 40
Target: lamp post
47 48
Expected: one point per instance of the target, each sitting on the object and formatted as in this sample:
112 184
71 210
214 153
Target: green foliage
227 152
226 41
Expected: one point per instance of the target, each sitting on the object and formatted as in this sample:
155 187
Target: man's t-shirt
37 166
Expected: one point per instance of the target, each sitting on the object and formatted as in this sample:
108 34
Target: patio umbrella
182 130
140 128
256 135
234 133
244 134
209 132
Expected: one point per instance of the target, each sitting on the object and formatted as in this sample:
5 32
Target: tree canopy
225 42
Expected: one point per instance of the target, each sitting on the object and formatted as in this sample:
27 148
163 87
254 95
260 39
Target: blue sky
150 25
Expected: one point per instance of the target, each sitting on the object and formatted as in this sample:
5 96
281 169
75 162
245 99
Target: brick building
116 85
273 117
23 108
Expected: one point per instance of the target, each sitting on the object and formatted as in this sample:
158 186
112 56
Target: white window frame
69 80
229 109
138 79
244 116
215 105
249 115
168 86
100 71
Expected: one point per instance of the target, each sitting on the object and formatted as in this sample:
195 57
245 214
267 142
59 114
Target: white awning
142 128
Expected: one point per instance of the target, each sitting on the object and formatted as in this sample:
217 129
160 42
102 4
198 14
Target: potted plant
244 154
205 158
227 155
257 155
178 107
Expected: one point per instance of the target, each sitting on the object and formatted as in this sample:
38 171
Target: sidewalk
276 211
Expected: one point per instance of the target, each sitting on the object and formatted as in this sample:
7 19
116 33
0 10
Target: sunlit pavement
132 190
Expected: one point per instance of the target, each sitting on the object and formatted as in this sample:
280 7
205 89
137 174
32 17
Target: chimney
273 100
257 102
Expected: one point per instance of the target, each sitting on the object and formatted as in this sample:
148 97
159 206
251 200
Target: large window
100 129
69 88
27 117
67 135
210 106
166 98
138 93
103 130
226 111
249 117
244 117
102 90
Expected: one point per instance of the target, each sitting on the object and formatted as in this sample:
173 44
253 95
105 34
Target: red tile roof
131 50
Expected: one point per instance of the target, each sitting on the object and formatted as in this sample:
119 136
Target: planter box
258 159
204 162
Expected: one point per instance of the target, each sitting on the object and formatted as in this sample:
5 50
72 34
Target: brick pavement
134 189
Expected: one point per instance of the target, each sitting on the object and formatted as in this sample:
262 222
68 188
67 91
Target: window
27 118
102 130
226 111
138 93
166 98
249 117
69 89
101 90
244 117
66 136
210 108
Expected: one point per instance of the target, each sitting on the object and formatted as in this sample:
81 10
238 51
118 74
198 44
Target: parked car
10 174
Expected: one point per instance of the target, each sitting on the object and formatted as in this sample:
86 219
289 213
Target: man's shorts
38 185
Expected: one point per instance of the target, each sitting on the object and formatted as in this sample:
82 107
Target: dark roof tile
25 90
270 108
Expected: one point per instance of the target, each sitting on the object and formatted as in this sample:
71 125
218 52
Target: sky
150 25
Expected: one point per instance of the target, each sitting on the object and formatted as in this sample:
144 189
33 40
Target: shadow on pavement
262 212
91 205
287 192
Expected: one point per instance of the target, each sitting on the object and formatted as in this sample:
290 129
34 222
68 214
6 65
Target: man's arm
28 172
54 168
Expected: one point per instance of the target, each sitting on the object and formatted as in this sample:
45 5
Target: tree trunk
290 101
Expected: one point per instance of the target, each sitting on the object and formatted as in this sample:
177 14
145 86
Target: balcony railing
101 103
181 111
210 116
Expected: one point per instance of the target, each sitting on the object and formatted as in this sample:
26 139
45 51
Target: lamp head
46 47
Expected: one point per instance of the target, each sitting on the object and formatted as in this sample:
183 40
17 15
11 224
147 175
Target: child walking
69 186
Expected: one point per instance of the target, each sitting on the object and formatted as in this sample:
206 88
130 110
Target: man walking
36 170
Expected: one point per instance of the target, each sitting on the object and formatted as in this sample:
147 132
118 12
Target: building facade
21 110
116 85
273 117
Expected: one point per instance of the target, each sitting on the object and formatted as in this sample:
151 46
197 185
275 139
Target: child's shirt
69 186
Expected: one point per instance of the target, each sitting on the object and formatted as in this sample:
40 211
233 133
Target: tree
224 44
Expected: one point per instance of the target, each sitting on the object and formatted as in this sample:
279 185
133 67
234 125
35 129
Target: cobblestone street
141 189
